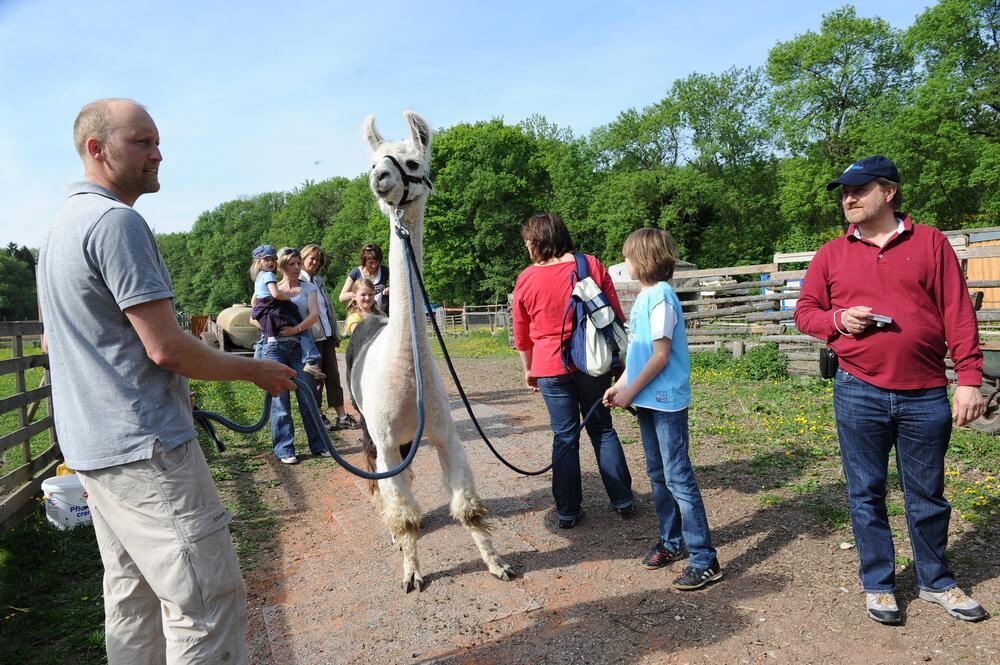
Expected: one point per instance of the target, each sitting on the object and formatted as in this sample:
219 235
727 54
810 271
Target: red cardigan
917 280
540 298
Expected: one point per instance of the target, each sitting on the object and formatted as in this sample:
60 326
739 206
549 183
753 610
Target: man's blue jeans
569 398
676 497
870 421
289 352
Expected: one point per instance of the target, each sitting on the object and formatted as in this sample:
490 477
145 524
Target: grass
13 457
775 438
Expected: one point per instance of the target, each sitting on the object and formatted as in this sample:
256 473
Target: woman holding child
285 348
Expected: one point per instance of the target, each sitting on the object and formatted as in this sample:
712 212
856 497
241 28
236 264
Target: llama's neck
399 287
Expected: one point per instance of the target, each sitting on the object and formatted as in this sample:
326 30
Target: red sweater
917 280
541 295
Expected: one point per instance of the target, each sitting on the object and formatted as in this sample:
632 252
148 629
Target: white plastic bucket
66 502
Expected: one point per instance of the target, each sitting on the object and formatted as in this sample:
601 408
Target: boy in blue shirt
657 381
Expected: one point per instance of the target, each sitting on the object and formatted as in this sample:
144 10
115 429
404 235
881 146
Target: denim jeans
310 352
568 398
676 497
870 421
288 352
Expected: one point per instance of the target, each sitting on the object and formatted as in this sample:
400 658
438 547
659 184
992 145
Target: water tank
239 330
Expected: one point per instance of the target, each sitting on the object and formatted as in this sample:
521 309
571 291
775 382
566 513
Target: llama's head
400 170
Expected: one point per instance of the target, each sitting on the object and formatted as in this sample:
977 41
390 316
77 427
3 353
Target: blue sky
262 96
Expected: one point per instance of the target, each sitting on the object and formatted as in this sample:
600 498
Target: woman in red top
541 295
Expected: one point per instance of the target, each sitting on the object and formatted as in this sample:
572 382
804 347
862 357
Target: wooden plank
726 300
15 507
796 339
20 328
26 472
728 311
770 316
12 365
794 257
25 398
978 252
25 433
728 271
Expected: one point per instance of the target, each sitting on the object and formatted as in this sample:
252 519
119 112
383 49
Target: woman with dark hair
541 295
327 337
370 266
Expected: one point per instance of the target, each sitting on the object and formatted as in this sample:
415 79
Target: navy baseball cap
264 250
866 170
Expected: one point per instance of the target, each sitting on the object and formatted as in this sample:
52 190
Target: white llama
380 367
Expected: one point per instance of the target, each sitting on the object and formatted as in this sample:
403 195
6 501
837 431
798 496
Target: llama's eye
373 166
412 165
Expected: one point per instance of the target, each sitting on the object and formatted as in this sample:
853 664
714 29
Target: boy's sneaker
659 556
347 421
327 425
882 608
290 460
325 453
696 578
313 370
957 603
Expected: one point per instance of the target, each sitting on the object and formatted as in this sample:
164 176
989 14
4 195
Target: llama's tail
371 454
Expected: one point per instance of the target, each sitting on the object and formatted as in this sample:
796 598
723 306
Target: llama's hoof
414 582
503 571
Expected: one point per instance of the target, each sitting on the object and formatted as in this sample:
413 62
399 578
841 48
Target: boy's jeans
676 497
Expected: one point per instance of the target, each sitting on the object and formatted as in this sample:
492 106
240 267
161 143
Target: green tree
18 298
489 180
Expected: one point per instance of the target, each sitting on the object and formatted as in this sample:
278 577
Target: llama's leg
465 504
401 514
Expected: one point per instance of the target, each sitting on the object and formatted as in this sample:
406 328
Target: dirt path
328 590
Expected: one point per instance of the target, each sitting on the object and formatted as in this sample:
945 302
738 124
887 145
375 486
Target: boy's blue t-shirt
670 390
264 277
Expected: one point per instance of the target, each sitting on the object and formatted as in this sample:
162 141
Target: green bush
718 359
762 362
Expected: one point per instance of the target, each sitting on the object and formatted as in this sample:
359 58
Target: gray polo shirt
111 402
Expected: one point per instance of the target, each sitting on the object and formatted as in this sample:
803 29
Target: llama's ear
370 134
419 129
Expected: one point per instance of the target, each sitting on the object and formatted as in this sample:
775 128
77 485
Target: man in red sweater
890 299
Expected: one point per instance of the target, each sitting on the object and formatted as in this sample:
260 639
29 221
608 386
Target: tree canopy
733 164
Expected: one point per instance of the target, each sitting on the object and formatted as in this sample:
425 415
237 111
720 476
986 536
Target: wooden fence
744 306
23 471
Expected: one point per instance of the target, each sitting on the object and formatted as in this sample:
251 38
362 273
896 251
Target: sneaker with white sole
289 460
695 578
313 370
882 608
347 421
957 603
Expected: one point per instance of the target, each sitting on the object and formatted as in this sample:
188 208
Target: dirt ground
328 588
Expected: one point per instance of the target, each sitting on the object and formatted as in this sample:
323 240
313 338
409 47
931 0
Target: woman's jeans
676 497
568 398
870 421
289 352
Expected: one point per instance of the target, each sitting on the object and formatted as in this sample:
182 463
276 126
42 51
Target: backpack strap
581 266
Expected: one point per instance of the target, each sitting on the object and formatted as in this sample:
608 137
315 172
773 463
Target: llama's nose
383 176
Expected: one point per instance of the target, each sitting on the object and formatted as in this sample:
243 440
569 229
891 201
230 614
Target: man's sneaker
347 421
659 556
626 513
572 521
290 460
882 608
696 578
957 603
313 370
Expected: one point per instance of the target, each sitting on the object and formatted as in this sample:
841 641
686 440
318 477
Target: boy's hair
652 253
369 251
367 283
547 237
